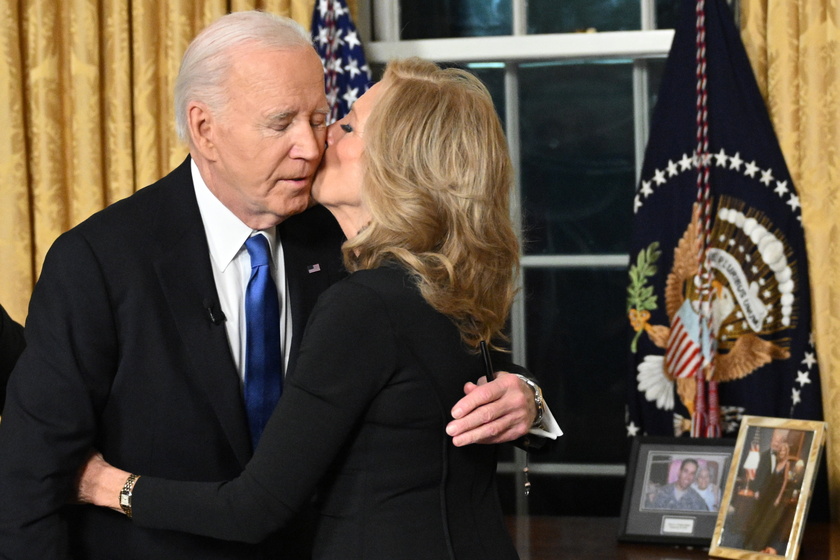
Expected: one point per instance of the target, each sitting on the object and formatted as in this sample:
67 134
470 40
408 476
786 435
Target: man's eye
346 128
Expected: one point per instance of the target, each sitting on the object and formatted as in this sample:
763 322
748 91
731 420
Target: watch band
538 400
126 493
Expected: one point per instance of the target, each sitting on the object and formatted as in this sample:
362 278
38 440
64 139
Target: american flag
683 355
346 74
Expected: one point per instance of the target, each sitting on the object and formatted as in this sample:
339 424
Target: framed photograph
673 491
768 489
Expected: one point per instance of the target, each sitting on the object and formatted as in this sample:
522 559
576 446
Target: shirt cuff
549 427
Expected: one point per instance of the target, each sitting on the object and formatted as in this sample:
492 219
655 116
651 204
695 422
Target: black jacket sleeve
347 355
12 344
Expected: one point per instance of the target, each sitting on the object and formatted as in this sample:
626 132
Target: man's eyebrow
281 116
286 115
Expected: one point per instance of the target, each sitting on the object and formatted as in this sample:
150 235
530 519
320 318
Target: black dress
766 517
360 425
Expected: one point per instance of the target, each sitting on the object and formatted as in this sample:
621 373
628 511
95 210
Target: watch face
125 499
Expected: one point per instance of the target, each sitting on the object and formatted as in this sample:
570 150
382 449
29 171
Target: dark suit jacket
12 344
362 419
763 470
122 355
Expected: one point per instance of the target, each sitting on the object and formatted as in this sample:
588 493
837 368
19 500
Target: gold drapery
86 86
794 48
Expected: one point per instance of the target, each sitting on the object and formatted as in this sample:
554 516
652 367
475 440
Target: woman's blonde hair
437 184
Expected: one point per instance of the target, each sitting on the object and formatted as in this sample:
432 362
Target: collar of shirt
228 233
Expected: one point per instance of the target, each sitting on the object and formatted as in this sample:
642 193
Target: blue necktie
263 365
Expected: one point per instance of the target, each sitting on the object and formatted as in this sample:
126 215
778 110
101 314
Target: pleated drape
87 112
794 47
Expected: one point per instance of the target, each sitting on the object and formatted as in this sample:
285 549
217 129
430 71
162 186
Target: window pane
564 16
655 69
432 19
577 346
578 170
493 76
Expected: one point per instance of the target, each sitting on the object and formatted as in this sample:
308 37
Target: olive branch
640 297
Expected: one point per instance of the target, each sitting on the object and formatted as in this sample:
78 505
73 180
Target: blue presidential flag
718 298
346 74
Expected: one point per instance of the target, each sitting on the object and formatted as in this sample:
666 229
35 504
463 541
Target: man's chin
296 206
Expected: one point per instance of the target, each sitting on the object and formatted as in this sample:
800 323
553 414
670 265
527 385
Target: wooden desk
595 538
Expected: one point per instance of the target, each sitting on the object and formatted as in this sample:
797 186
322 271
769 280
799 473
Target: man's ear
202 127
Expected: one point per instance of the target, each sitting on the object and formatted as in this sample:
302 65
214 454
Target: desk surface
595 538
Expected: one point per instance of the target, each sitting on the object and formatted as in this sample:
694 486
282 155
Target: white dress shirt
226 235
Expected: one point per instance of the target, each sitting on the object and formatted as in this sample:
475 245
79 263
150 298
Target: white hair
208 60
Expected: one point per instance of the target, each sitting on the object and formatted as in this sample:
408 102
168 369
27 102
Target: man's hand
496 412
99 483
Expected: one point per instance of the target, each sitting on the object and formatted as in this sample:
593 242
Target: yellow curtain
86 88
794 47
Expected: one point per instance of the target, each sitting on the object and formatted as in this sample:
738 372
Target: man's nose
309 143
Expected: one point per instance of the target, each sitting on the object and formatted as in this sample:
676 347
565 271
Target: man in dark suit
136 329
767 460
11 346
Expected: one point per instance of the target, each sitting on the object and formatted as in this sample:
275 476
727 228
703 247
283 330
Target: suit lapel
307 280
186 278
311 254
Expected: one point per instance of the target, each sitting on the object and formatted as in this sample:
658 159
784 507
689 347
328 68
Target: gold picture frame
768 490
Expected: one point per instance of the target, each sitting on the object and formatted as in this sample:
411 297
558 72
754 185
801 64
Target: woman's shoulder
382 283
382 292
386 279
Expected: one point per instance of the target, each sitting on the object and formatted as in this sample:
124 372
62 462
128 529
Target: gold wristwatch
126 492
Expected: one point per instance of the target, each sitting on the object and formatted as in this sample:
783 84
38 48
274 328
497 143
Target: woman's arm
784 483
347 355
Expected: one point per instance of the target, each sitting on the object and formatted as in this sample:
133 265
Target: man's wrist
538 400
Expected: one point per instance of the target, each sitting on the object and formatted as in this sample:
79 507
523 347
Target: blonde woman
419 177
770 506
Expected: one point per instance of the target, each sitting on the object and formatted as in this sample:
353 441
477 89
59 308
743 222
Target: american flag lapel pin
313 268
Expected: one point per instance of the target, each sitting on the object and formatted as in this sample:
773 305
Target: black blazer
362 419
12 344
763 470
123 356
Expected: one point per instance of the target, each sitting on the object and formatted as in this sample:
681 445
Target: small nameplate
677 525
